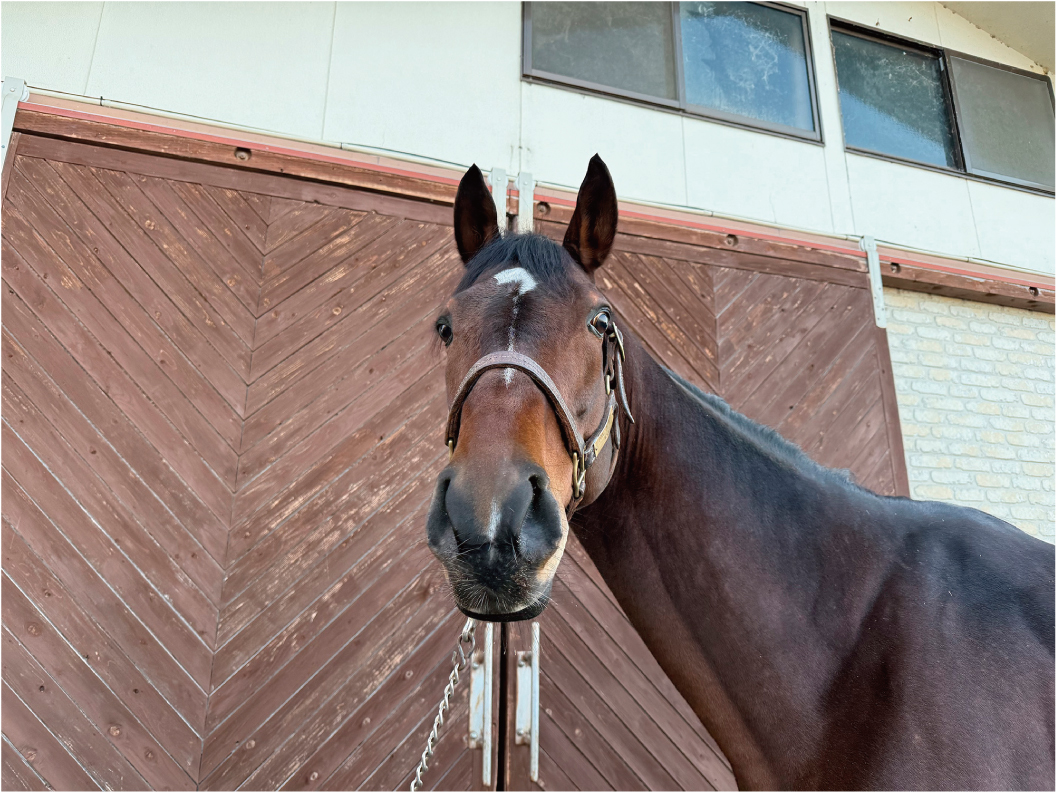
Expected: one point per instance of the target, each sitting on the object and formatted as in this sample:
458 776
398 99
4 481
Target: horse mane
769 440
546 261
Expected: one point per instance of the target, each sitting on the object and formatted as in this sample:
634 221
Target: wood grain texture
221 419
201 592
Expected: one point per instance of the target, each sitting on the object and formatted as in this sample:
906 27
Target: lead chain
459 658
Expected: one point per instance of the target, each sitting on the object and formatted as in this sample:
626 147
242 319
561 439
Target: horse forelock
543 261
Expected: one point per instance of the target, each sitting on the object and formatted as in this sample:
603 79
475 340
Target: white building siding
443 81
975 388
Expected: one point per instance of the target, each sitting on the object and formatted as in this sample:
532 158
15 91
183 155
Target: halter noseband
583 452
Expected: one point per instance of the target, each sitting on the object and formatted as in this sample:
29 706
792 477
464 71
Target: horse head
534 385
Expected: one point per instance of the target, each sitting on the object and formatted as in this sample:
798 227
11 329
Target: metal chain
459 658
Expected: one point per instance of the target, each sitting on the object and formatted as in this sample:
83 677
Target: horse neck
714 550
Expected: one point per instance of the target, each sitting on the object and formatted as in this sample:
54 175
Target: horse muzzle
499 536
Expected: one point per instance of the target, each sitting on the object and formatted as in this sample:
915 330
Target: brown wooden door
221 425
221 421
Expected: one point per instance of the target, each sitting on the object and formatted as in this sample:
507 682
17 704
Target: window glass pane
892 100
621 45
1006 122
748 60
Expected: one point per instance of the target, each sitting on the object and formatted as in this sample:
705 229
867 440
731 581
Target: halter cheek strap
583 452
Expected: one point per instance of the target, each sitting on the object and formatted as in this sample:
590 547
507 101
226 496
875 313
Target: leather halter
583 452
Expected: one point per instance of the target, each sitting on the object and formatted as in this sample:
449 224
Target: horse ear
594 223
475 216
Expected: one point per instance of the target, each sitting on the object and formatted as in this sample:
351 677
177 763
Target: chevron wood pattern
221 417
221 408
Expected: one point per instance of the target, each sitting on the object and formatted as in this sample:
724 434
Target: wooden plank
323 757
104 591
223 228
17 775
9 163
705 756
136 496
144 317
674 766
262 205
102 367
332 661
100 706
903 276
68 151
106 658
305 467
47 757
319 262
239 208
289 219
33 685
812 355
196 613
374 479
339 607
31 336
240 276
288 251
247 630
182 147
341 335
900 477
394 362
577 730
348 291
423 644
341 377
191 283
743 244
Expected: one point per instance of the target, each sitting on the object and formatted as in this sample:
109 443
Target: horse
826 636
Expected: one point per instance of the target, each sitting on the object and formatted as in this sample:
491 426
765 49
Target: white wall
442 80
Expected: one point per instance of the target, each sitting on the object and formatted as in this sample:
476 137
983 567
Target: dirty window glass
892 100
1006 122
748 60
627 46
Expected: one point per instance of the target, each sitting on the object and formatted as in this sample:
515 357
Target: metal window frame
922 49
680 105
950 93
966 157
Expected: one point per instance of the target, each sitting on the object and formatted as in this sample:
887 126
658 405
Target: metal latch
481 703
527 713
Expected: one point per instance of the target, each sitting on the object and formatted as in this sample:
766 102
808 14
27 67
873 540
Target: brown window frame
680 105
950 94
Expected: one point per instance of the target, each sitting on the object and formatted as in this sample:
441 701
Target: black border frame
950 92
680 105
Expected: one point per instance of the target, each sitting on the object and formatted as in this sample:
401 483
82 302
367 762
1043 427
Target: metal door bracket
497 182
481 703
526 189
527 713
873 264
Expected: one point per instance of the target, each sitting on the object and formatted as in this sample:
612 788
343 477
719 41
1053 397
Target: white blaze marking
524 284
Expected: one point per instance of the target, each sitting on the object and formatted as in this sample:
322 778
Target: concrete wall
975 387
443 80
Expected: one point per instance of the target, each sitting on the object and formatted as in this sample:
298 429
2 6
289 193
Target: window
944 110
741 63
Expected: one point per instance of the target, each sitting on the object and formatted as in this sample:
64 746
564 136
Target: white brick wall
975 386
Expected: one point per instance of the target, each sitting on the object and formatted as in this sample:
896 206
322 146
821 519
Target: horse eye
445 332
600 323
